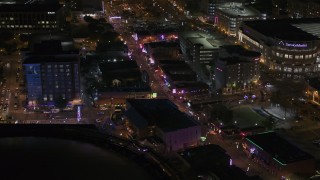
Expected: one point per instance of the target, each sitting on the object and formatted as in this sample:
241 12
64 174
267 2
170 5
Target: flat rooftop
159 112
237 49
209 41
163 44
178 70
286 29
194 84
119 69
234 60
237 9
50 59
280 149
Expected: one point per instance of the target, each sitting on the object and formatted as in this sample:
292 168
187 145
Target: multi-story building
289 47
199 47
279 156
161 118
31 17
208 7
51 73
161 50
236 69
279 9
228 16
182 80
303 8
295 8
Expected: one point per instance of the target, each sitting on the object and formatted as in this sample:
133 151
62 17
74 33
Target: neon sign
296 45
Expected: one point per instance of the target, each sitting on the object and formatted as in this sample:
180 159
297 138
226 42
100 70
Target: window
286 56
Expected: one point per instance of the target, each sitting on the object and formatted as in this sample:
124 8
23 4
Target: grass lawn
246 117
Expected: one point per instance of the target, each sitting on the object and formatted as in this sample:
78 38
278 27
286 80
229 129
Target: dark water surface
30 158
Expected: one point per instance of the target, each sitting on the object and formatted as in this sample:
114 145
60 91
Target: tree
88 19
283 100
24 37
61 102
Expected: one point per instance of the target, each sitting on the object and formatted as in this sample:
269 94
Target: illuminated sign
51 13
296 45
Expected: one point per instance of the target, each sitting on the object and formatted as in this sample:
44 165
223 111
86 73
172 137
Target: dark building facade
31 17
51 77
50 71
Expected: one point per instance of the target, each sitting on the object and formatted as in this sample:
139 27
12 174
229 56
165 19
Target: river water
30 158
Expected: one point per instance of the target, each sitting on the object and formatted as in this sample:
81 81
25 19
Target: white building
228 16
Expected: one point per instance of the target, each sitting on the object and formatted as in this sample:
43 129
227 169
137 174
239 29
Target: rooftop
178 70
280 149
208 41
163 44
240 50
286 29
50 59
194 84
121 76
234 60
159 112
237 9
